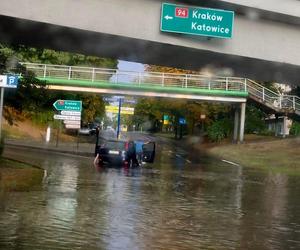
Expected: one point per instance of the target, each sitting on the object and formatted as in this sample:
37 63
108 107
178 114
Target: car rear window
118 145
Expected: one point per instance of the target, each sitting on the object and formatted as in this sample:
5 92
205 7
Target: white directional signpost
67 117
70 110
68 105
6 81
70 113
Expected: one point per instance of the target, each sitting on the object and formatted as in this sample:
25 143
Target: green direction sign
196 21
68 105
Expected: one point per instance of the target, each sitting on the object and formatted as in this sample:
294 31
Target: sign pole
1 109
119 118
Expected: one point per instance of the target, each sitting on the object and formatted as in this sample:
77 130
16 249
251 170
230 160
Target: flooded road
173 204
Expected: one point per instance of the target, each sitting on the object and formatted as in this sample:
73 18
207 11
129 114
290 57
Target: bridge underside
111 91
36 34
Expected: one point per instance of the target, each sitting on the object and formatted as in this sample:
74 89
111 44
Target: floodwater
173 204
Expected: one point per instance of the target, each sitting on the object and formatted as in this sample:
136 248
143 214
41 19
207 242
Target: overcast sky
130 66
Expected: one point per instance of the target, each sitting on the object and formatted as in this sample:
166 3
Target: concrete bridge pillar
236 125
239 123
242 122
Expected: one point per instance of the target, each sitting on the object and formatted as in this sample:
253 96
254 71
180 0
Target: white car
84 131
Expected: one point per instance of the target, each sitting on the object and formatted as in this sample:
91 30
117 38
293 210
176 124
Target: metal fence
188 81
137 78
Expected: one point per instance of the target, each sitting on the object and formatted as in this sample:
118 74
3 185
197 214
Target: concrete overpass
265 43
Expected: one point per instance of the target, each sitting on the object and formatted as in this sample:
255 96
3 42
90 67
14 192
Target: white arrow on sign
71 122
168 17
73 126
66 112
67 117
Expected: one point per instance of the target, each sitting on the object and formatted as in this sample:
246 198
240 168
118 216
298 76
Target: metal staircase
279 103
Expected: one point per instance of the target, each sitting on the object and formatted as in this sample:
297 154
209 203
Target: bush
255 122
266 132
42 118
295 128
219 130
2 144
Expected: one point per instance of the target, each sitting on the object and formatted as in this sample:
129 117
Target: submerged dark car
115 152
112 152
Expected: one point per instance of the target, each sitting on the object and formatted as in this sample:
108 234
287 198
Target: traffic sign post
72 126
124 110
6 81
70 113
119 109
73 113
196 21
67 117
72 122
9 81
68 105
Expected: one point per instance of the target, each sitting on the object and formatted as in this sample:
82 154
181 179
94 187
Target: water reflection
173 205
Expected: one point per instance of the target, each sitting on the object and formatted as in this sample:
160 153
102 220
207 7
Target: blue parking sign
12 81
182 121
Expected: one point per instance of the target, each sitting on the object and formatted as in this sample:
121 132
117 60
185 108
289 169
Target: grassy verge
17 176
278 155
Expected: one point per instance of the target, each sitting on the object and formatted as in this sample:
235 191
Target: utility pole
119 118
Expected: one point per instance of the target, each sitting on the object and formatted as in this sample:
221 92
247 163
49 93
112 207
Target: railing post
226 86
139 80
245 85
70 71
163 80
280 101
294 103
93 75
186 80
45 70
209 87
263 93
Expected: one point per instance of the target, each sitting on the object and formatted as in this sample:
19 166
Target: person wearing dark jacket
131 154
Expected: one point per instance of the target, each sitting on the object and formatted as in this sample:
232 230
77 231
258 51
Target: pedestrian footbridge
171 85
158 84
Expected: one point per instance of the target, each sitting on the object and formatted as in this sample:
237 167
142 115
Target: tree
296 91
254 120
31 96
93 106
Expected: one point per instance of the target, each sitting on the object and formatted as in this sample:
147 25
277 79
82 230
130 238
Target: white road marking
230 162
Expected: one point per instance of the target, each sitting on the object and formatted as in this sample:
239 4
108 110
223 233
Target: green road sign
68 105
196 21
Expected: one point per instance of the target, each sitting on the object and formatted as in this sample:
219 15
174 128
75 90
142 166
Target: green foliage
219 130
47 56
266 132
254 120
296 91
42 118
93 106
271 86
295 129
32 97
2 144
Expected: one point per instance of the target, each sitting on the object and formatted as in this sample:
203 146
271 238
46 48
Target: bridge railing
137 78
273 99
195 81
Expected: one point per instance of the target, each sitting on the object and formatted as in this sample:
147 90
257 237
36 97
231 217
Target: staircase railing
272 99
